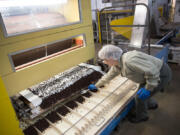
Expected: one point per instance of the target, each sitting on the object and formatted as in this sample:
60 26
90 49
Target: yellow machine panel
126 32
123 20
16 80
9 124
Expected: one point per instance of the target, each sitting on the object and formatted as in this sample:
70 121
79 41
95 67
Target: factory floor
163 121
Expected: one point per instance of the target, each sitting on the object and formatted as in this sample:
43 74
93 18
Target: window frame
47 57
40 29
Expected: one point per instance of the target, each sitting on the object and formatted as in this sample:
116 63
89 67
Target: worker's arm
149 70
113 72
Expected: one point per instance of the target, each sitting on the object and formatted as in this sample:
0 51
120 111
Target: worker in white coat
150 72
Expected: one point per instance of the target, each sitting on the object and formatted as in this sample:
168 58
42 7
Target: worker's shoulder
132 54
135 53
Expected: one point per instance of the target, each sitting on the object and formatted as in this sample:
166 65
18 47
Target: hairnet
110 52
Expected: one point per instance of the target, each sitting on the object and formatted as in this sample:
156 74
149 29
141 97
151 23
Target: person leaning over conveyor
152 74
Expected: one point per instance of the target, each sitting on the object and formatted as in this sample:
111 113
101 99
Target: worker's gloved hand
143 93
92 87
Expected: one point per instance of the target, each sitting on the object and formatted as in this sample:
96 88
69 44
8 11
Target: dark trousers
142 106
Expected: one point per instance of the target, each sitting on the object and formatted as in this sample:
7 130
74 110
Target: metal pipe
129 25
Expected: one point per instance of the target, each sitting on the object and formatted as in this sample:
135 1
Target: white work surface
96 112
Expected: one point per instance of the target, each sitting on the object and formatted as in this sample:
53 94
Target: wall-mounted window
31 56
23 16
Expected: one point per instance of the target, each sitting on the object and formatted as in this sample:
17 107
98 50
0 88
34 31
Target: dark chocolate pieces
83 83
53 117
42 124
30 131
72 104
87 94
77 86
63 110
80 99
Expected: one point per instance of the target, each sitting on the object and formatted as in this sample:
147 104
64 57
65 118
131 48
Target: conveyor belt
94 114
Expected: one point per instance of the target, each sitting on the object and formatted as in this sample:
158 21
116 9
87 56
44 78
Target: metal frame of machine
12 82
132 5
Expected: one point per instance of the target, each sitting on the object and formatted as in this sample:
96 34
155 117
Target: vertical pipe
99 26
172 12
